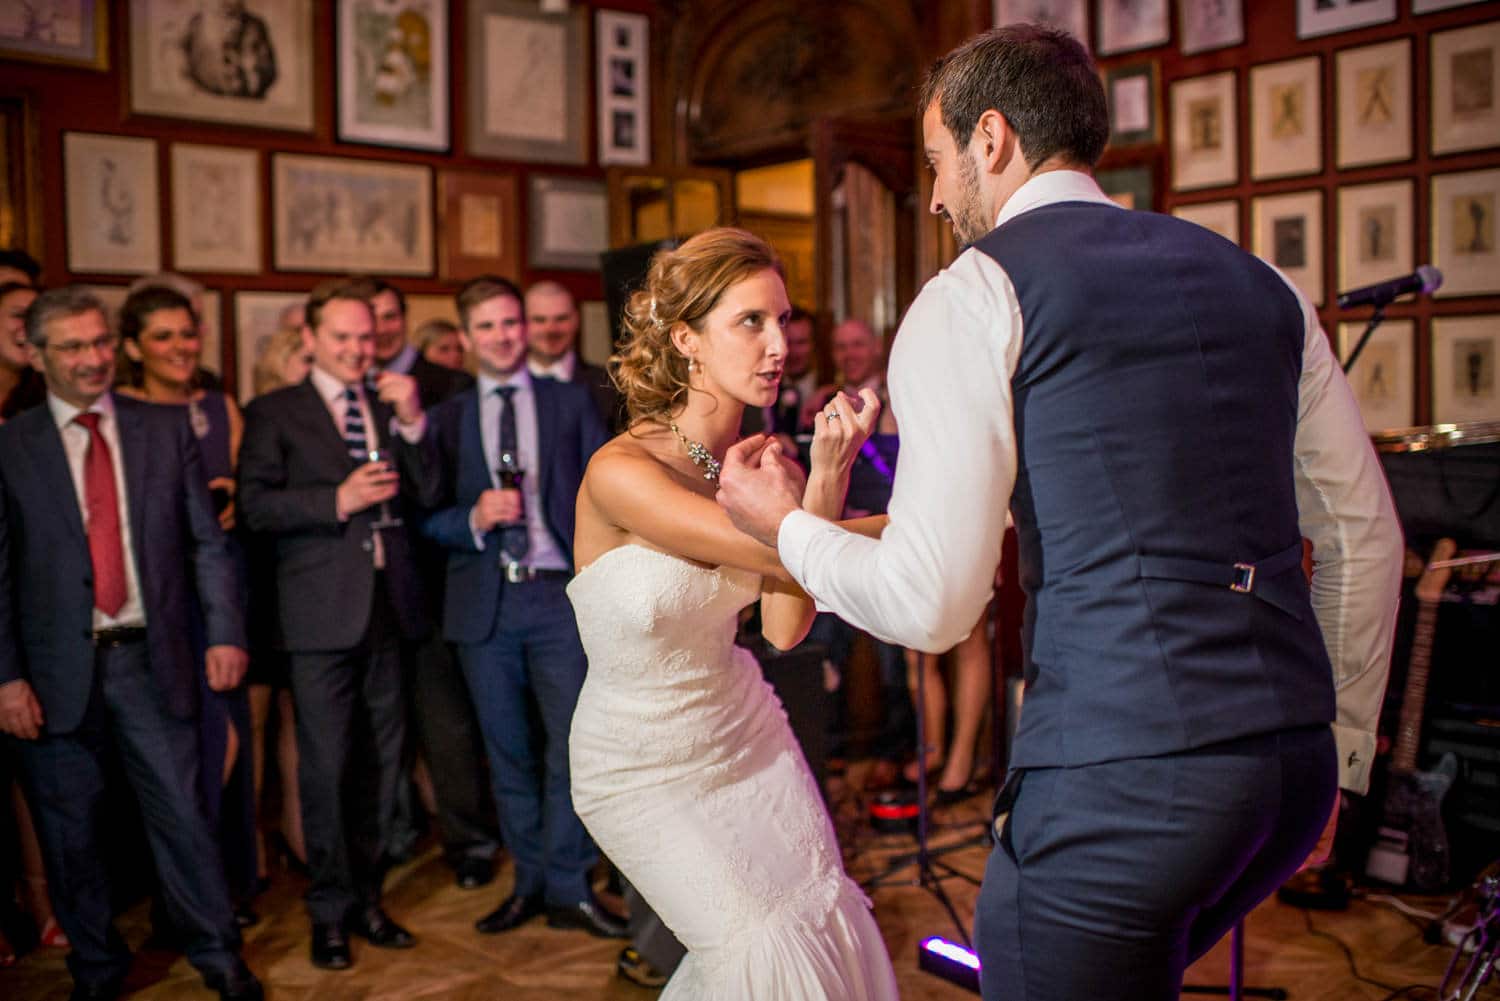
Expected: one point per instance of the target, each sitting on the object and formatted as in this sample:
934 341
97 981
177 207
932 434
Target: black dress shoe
107 991
330 948
589 915
516 911
239 984
472 873
376 925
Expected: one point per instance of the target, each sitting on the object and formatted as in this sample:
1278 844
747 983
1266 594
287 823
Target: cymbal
1436 436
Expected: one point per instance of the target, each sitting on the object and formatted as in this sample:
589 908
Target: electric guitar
1412 846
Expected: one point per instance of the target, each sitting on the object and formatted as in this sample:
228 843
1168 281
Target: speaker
624 271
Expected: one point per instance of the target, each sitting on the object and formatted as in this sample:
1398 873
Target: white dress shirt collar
1050 188
520 378
331 388
562 370
63 412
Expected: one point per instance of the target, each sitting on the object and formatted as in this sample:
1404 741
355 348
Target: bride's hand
839 432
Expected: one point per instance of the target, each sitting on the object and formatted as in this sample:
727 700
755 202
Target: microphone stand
1375 321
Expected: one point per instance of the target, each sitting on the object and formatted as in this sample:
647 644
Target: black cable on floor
1349 956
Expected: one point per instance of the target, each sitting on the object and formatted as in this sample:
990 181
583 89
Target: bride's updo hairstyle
683 286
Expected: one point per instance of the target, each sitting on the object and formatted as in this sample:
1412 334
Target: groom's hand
757 488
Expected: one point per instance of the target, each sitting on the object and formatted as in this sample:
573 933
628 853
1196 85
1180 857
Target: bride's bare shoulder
625 460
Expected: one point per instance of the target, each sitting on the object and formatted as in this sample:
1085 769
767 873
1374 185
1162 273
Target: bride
684 769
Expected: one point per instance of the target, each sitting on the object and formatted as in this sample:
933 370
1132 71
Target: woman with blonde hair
683 766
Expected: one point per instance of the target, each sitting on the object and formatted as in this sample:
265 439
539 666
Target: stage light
949 960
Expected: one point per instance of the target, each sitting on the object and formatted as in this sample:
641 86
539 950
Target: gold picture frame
1384 377
1466 232
1205 132
1465 350
1286 118
1377 232
1373 104
1465 88
1287 233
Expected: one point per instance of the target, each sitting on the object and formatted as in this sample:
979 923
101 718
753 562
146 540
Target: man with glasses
107 539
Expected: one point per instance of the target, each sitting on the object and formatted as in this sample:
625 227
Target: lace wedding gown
686 774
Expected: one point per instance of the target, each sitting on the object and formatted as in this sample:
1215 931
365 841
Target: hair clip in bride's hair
651 312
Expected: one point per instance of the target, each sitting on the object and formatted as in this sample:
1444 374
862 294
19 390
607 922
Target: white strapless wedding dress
687 775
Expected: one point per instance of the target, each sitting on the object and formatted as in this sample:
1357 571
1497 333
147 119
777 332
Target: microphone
1424 280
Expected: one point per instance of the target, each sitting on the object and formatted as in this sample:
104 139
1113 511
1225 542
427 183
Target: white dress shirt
403 361
75 439
544 553
927 580
562 370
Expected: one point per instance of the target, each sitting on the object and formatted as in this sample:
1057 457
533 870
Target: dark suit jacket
292 460
46 574
568 432
436 383
607 399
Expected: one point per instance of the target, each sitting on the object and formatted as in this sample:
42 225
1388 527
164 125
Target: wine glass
385 521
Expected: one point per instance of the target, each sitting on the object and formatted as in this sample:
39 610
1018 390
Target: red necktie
99 493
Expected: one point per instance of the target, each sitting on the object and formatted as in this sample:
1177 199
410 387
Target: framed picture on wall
1210 24
393 73
526 95
339 214
70 34
569 220
1377 235
216 221
622 47
252 65
1286 119
111 297
1127 25
1372 98
479 219
257 318
1464 232
113 215
1130 187
1071 16
1384 376
1287 232
1134 104
421 308
1464 350
1222 217
1466 88
1205 144
1428 6
1324 17
211 326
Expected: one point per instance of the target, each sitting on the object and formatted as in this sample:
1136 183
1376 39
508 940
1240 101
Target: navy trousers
525 680
1109 879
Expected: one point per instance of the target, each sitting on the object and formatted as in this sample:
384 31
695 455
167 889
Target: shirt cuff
412 432
1356 754
474 530
796 533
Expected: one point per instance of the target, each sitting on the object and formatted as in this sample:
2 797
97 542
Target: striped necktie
354 426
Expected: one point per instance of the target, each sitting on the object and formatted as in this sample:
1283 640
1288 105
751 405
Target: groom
1163 457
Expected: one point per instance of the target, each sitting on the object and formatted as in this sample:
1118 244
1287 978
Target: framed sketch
1372 87
257 317
1205 143
1463 368
622 49
393 73
1286 119
1384 376
479 218
1377 235
56 31
526 95
1071 16
216 220
245 63
1206 25
1466 88
1428 6
1287 232
113 215
1134 104
1130 187
337 214
1127 25
1324 17
569 223
1221 217
1464 232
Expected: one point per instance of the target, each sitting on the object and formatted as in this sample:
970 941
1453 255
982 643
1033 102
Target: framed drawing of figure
1205 143
1466 88
1286 119
1384 376
113 212
393 73
1464 232
1464 350
1372 98
1287 232
1377 237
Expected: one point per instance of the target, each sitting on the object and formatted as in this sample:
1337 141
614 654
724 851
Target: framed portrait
479 218
569 220
595 342
1286 119
1287 233
247 64
1428 6
1463 368
1127 25
526 95
257 317
1205 142
1210 24
1464 232
1071 16
393 73
70 34
1372 98
1134 104
1324 17
1130 187
1222 217
622 50
337 214
1384 377
1466 88
113 212
216 221
1377 235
